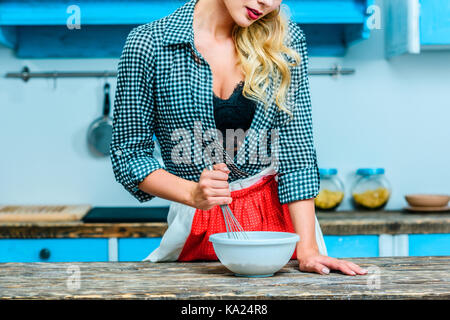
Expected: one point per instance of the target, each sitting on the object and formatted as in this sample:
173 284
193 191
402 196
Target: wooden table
388 278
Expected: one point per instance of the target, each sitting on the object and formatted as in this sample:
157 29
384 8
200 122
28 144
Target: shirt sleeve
297 161
132 144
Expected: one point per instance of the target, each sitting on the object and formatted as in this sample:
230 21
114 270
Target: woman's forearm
302 214
166 185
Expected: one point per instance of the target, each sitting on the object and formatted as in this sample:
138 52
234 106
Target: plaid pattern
164 84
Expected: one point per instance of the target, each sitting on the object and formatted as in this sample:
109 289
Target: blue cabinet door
412 26
437 244
352 246
53 250
434 22
136 249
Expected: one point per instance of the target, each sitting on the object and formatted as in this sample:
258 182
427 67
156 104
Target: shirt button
118 153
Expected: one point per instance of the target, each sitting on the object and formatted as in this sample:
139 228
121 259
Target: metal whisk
234 228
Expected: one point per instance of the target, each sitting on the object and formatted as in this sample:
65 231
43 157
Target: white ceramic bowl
262 255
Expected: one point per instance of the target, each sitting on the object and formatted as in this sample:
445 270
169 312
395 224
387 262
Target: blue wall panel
61 250
437 244
136 249
352 246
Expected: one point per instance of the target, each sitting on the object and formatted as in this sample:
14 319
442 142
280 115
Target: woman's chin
243 22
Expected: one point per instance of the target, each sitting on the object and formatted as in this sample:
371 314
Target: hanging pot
100 131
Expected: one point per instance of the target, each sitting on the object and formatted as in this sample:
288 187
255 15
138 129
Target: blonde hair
261 51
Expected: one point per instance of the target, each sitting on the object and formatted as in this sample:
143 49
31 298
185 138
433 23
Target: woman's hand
212 188
313 261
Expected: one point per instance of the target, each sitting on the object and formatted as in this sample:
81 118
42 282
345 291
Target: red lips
253 14
256 11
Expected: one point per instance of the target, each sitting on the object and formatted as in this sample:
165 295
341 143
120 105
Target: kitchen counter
399 278
332 223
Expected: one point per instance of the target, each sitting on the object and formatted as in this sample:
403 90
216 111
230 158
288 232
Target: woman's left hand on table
315 262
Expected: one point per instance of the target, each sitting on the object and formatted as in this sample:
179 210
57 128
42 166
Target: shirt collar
179 27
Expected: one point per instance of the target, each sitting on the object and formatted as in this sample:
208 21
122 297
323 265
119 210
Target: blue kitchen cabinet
136 249
416 25
437 244
434 23
53 250
98 28
352 246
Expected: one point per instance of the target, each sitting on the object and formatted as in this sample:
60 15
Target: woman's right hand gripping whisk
212 188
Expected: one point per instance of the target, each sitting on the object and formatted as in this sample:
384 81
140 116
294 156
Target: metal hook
55 76
25 74
105 77
337 71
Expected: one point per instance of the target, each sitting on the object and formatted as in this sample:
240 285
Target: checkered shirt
164 85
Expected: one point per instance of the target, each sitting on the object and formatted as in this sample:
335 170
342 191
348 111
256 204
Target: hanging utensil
100 131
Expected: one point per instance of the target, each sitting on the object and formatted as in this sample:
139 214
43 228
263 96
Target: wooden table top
388 278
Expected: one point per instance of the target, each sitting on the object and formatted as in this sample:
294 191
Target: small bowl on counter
427 202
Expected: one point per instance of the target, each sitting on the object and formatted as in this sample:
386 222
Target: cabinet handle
44 254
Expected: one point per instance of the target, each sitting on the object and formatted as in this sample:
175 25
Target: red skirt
257 208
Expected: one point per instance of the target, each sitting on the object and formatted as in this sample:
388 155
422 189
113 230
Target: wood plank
77 229
399 278
29 213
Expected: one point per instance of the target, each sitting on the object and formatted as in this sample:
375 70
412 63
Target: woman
210 66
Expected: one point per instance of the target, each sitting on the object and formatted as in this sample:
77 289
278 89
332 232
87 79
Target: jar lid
369 171
327 171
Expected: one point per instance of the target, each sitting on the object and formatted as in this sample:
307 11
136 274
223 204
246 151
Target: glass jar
331 192
371 191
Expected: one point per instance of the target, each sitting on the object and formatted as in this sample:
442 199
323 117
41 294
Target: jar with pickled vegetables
331 192
371 191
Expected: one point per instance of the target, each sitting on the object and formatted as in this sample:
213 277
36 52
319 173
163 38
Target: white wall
391 113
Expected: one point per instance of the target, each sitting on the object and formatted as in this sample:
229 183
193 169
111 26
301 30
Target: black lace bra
233 113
